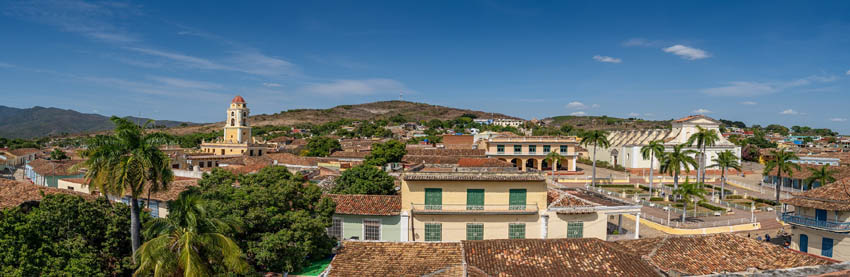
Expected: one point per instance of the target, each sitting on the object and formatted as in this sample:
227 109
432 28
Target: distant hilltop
40 122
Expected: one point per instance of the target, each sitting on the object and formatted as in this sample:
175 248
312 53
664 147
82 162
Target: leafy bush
654 199
734 197
765 201
710 207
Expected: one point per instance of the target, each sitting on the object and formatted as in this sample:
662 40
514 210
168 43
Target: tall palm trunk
723 183
684 209
651 165
779 183
593 181
703 159
135 225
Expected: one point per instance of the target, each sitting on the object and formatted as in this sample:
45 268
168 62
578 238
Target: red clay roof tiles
362 204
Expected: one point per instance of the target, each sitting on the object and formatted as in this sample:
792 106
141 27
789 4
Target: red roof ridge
238 99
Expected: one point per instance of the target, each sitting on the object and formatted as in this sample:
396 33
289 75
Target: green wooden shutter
433 232
475 199
516 231
517 199
474 231
433 199
575 229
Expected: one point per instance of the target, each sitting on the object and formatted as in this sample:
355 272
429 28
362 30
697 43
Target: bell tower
236 128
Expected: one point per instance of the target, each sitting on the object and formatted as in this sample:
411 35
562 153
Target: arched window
232 122
232 114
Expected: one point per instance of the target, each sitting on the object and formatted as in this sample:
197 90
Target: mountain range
40 121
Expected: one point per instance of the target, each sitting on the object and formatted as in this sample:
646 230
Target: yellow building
237 138
455 206
530 152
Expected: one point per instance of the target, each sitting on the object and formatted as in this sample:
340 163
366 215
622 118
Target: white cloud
687 53
356 87
634 114
578 113
838 119
183 83
186 60
271 85
848 72
93 20
6 65
789 112
745 89
576 105
640 42
607 59
248 61
701 111
749 103
594 106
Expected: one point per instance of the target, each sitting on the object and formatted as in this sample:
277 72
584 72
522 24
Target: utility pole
668 214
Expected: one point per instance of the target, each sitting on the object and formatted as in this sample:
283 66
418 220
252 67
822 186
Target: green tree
595 138
365 179
190 242
65 235
781 161
725 160
58 155
649 151
703 138
554 159
127 163
690 192
676 160
776 128
567 129
383 153
321 147
822 174
284 219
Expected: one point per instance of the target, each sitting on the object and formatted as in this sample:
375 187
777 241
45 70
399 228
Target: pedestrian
787 244
767 237
758 238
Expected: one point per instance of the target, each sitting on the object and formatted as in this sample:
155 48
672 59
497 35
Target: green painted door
575 229
475 199
433 232
517 199
433 199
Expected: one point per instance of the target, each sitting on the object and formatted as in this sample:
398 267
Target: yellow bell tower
236 128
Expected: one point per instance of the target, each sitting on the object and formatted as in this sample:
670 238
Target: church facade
237 138
625 145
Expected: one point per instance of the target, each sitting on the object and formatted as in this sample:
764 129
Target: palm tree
554 159
781 161
188 242
677 160
702 138
125 163
821 174
650 151
724 161
597 138
689 191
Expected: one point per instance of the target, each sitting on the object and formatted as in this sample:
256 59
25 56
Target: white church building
625 145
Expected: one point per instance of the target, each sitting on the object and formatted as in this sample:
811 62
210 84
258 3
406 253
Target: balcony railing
828 225
530 208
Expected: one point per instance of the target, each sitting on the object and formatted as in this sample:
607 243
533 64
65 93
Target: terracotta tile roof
447 152
458 140
718 253
483 162
53 168
357 258
561 199
362 204
81 181
472 176
350 154
179 185
14 193
23 151
416 159
692 117
805 172
553 257
832 197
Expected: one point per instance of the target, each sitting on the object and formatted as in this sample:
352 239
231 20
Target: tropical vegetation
690 192
725 160
128 162
823 175
321 147
702 139
383 153
677 160
650 151
365 179
597 138
781 161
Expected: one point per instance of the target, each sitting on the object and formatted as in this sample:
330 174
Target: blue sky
759 62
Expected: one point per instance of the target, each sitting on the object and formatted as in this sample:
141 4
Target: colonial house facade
366 217
820 220
625 145
530 152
